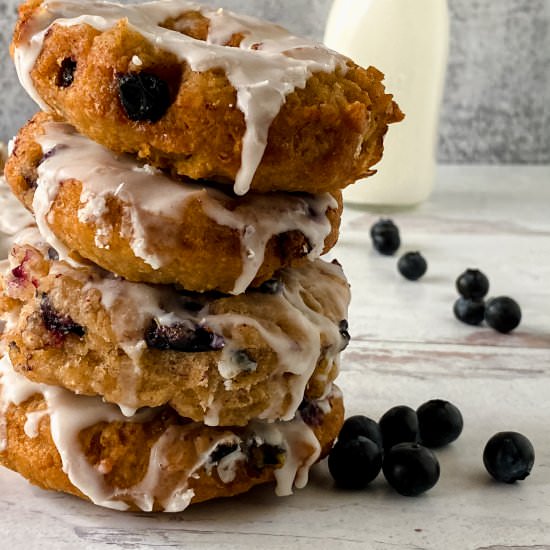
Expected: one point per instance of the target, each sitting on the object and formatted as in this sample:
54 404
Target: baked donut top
262 61
148 195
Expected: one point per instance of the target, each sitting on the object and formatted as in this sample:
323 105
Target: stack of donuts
170 333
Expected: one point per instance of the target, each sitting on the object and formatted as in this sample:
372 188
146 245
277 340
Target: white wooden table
406 348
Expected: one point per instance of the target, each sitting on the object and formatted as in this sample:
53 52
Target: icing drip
147 196
131 306
298 357
296 435
269 63
174 499
69 414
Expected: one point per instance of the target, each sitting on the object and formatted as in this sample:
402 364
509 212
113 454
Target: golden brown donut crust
123 448
312 144
198 253
95 364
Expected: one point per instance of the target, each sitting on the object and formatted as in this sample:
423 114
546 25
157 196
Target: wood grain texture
406 348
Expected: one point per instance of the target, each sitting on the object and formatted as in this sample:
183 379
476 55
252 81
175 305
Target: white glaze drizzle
33 422
131 306
69 414
269 64
151 199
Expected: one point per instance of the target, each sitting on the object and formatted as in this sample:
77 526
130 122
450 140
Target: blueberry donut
153 460
217 359
205 93
135 221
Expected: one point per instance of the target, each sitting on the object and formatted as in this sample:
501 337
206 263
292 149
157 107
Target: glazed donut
215 359
154 460
135 221
205 93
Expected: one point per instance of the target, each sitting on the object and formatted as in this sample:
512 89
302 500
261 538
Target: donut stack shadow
167 340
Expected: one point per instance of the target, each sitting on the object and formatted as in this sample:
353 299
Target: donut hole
65 75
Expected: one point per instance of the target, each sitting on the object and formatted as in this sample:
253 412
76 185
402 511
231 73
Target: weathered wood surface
406 348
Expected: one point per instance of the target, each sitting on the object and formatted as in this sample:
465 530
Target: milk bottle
408 41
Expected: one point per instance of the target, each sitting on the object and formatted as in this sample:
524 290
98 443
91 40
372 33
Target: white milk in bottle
408 41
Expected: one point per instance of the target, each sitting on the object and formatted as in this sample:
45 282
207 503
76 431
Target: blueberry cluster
397 445
502 314
400 445
386 240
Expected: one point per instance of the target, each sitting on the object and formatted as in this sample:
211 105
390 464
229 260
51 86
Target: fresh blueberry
509 456
385 237
471 312
399 425
183 336
503 314
58 324
411 469
144 96
412 265
65 75
360 425
353 464
439 423
472 284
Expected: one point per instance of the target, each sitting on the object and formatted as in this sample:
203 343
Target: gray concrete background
497 100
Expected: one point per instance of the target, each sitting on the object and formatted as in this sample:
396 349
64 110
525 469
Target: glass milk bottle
408 41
